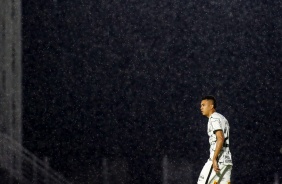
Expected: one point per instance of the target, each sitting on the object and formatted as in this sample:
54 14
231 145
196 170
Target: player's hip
209 176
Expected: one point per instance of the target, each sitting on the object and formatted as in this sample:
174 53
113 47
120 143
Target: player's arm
219 145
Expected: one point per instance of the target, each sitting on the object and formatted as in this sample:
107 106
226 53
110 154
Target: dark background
124 79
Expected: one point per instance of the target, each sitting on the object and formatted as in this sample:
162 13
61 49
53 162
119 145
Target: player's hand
215 166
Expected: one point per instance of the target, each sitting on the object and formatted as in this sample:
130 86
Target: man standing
217 169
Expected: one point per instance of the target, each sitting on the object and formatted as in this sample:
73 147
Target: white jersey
219 122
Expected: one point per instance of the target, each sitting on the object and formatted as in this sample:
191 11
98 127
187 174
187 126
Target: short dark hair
212 98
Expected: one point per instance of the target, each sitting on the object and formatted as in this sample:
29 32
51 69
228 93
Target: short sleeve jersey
219 122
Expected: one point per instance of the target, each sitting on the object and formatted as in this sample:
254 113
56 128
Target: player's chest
210 129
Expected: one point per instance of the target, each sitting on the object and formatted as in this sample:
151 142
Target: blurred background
111 89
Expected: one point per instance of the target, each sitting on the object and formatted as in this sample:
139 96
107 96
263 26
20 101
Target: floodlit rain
112 89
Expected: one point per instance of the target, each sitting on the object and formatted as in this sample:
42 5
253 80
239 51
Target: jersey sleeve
215 122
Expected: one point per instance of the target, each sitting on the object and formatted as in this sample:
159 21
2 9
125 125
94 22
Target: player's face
206 107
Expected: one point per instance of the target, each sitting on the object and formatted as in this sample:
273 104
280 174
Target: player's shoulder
217 115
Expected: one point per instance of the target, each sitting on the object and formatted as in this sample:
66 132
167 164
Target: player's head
208 105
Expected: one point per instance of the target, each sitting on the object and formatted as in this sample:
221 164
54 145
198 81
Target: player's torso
224 126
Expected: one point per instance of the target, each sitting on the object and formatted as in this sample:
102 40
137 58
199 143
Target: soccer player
217 169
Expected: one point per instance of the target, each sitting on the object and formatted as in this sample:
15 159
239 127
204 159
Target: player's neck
212 111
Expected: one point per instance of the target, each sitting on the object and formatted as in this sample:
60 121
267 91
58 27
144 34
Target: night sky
124 79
